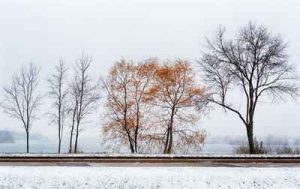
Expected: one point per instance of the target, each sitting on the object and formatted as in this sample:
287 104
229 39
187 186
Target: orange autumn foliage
127 100
177 95
153 103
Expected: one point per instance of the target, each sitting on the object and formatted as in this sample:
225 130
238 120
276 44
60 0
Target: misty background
44 31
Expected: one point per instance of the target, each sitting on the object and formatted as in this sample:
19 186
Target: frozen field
148 177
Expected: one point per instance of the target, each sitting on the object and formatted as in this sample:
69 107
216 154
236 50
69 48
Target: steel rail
103 158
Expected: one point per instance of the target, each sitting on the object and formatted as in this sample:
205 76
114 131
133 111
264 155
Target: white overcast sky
43 31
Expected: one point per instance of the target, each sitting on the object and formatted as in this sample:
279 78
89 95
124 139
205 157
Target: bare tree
58 92
256 63
21 100
84 95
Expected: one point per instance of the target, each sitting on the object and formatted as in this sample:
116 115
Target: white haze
44 31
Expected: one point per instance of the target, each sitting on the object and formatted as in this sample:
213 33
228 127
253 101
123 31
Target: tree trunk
170 145
59 139
250 138
72 130
131 147
59 145
27 141
59 127
135 142
76 138
71 140
167 141
136 132
249 125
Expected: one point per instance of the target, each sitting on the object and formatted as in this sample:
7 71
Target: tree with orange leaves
176 96
127 101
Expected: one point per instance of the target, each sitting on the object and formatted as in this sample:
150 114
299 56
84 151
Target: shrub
286 149
259 147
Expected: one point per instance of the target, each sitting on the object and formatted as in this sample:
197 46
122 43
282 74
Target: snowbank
148 177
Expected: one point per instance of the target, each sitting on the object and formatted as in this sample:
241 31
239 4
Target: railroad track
103 158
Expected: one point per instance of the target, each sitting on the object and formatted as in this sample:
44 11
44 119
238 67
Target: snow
49 177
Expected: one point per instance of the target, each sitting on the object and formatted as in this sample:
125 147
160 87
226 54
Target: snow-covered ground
148 177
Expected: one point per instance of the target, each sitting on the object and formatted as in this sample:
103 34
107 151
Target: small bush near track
286 149
260 148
